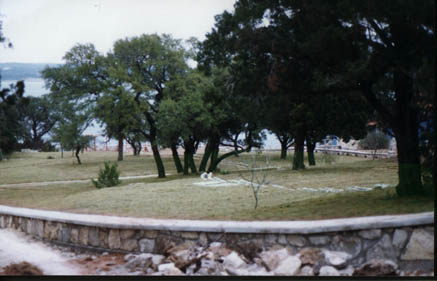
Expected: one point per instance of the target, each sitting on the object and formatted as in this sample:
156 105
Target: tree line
300 69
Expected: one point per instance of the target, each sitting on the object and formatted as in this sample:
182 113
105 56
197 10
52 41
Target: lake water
36 87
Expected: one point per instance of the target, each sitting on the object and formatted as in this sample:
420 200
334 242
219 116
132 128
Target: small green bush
108 176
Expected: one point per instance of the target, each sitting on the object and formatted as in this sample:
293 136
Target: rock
103 235
127 257
370 234
420 246
129 245
203 239
64 234
114 239
74 235
336 259
127 233
151 234
255 269
320 239
93 236
399 238
22 268
83 236
296 240
377 267
349 271
350 245
147 245
282 239
189 235
328 271
234 261
163 243
51 231
271 239
289 266
157 260
169 269
306 271
382 250
141 261
250 249
272 259
310 255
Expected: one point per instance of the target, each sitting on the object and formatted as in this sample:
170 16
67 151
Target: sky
42 31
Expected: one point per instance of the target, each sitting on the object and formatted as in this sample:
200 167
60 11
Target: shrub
108 176
373 141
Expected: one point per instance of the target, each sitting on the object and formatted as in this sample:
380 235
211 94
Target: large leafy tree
146 64
39 118
12 104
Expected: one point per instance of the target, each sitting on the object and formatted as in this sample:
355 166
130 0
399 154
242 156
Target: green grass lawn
178 197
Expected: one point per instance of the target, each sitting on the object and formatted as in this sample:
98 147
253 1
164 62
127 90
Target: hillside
21 71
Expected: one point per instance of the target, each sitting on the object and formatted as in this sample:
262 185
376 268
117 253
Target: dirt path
28 184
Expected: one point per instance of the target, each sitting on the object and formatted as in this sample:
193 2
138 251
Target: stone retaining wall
409 244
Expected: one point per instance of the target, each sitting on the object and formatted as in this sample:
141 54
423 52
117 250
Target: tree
146 64
185 115
12 103
375 140
69 132
387 73
117 109
39 118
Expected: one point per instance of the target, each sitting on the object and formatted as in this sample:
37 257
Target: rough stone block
189 235
420 246
103 237
151 234
350 245
382 250
83 236
74 235
114 239
39 227
271 239
215 236
51 230
127 233
129 244
319 239
203 239
64 234
147 245
93 236
370 233
399 238
2 221
282 239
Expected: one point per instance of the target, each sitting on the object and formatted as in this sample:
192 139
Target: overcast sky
44 30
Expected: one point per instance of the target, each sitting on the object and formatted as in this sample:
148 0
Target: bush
108 176
373 141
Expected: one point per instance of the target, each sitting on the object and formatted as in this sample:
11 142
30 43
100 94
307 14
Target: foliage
40 116
12 104
108 176
375 140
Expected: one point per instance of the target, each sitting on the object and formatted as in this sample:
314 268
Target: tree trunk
158 160
186 162
176 159
406 129
120 148
283 150
205 157
77 156
299 150
138 151
310 151
214 156
214 164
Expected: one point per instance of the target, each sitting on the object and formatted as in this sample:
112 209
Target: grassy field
178 196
